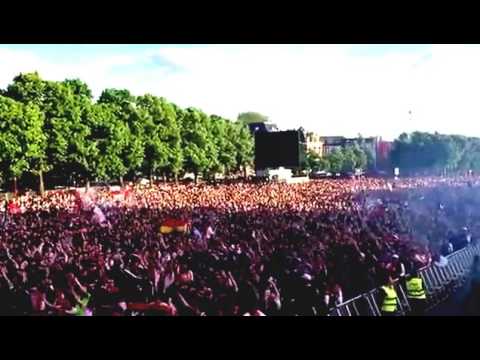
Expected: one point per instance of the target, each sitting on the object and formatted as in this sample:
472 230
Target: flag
170 225
181 226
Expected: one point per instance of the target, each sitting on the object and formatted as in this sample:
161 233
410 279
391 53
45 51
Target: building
314 143
383 153
332 143
384 148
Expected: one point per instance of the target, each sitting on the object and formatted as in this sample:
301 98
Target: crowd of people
249 249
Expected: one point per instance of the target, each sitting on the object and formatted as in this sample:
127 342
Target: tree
22 141
336 161
121 97
251 117
361 158
79 88
323 164
156 149
222 130
130 123
176 157
243 142
195 141
349 159
80 155
312 161
427 152
111 137
162 135
27 87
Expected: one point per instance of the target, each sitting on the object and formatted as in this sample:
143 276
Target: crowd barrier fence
440 282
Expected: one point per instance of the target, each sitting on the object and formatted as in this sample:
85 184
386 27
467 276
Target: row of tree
435 153
56 129
346 159
415 153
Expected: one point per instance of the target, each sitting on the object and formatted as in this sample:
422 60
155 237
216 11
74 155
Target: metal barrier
439 284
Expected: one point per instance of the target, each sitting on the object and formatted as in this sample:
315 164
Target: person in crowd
388 298
416 295
473 297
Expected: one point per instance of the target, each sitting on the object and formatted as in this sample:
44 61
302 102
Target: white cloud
321 87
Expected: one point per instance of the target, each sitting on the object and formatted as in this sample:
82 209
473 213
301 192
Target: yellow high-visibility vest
390 301
415 288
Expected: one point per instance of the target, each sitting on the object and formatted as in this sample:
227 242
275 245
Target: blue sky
331 89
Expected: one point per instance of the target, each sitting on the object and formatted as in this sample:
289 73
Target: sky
375 90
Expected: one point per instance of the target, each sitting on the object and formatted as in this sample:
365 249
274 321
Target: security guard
416 293
390 298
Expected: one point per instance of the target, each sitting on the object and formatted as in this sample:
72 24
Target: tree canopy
251 117
421 152
56 128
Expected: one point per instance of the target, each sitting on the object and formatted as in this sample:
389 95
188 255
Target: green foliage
130 121
161 134
341 160
336 161
56 127
78 87
251 117
22 142
27 87
195 140
121 97
349 160
222 132
434 153
361 157
243 142
312 161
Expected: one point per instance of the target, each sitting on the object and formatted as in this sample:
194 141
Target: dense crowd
249 249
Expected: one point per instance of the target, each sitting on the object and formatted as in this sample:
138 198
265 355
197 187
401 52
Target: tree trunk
195 177
176 178
121 181
42 185
164 176
15 187
87 185
244 171
151 178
